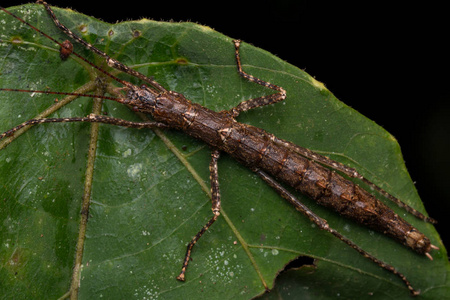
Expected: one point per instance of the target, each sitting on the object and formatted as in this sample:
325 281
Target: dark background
388 61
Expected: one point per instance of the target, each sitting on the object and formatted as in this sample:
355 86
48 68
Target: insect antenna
63 93
63 46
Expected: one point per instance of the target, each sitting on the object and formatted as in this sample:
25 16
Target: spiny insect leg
110 61
91 118
215 199
323 224
256 102
351 172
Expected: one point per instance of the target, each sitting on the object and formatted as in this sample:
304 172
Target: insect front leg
215 199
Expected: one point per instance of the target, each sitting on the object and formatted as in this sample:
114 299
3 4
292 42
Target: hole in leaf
298 263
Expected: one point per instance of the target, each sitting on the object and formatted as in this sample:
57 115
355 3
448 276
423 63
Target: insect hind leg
352 173
256 102
323 224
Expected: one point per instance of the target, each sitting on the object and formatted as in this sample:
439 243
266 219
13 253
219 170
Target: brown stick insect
265 154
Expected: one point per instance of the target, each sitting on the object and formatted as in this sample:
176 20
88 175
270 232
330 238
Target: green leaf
150 189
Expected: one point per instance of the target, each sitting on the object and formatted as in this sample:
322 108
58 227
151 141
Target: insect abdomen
255 147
